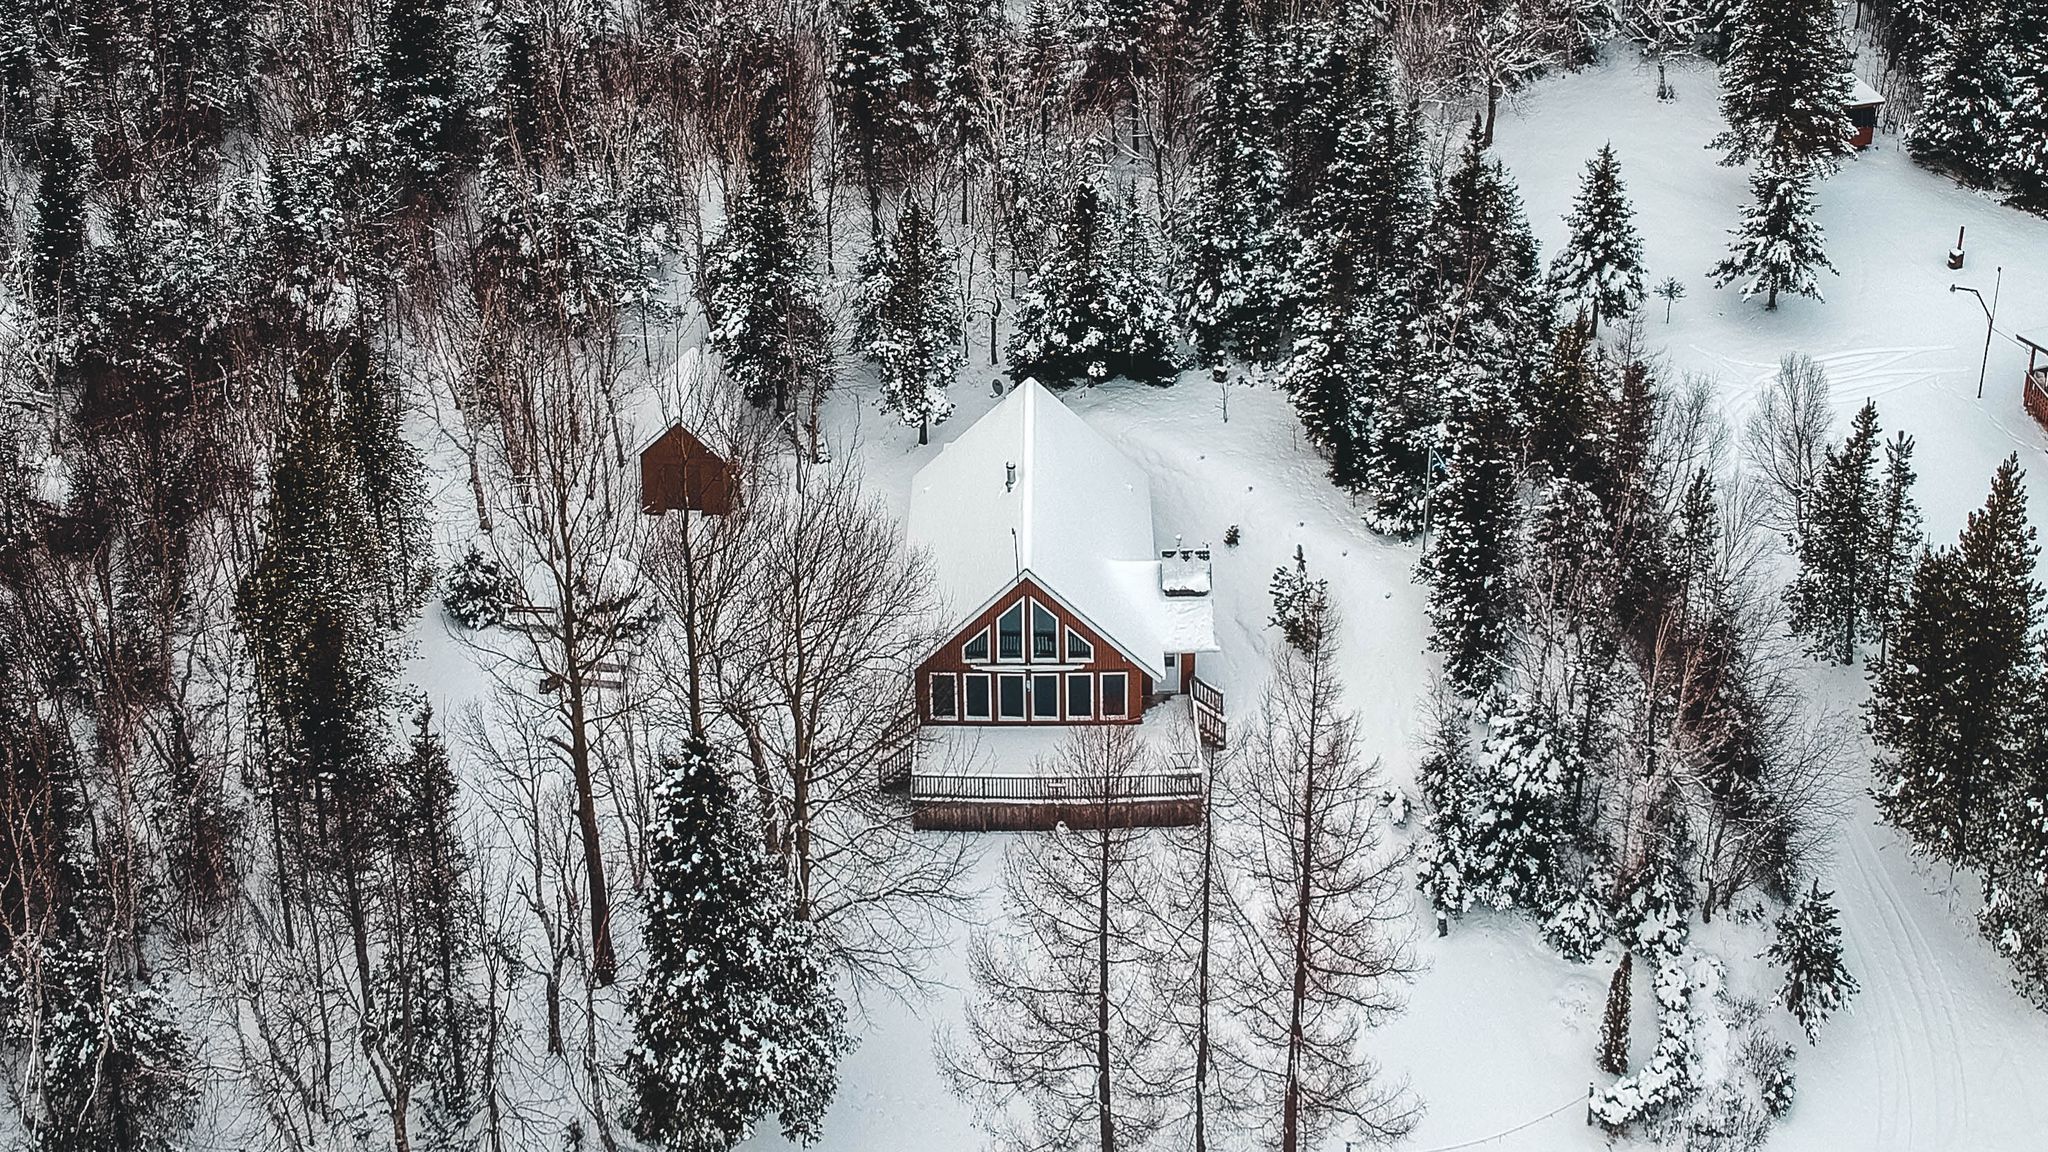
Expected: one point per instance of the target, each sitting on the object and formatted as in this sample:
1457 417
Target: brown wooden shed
1864 102
2034 392
678 472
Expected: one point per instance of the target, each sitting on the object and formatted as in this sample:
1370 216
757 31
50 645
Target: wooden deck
1008 800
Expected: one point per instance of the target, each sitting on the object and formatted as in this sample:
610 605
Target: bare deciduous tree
1324 946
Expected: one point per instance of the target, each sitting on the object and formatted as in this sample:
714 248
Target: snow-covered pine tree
2014 916
1483 297
1830 597
1779 247
907 321
1568 405
425 116
1090 314
1322 374
761 292
1786 86
1229 250
1966 96
736 1017
1475 525
1601 267
1613 1055
1895 539
1501 834
1809 948
309 610
1954 698
1300 605
429 1032
57 240
2025 138
108 1074
886 86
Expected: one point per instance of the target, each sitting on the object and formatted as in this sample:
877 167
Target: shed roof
2038 341
1864 95
1078 519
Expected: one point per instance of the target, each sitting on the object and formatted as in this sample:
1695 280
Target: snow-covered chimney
1184 571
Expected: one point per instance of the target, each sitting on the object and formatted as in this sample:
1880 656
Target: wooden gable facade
678 473
1027 658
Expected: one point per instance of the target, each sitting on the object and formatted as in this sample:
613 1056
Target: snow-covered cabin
1065 612
1864 101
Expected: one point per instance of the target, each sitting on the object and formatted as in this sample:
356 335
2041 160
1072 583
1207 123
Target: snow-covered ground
1937 1052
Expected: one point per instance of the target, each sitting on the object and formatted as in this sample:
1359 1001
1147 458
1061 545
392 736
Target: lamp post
1990 320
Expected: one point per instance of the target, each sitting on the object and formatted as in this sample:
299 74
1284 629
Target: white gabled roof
1078 520
1862 93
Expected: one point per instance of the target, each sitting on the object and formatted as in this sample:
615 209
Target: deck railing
1207 702
1176 784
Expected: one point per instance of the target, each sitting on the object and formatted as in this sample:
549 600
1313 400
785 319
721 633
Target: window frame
952 682
1034 705
988 696
1102 704
1086 654
1039 612
1002 652
1087 681
1023 682
967 649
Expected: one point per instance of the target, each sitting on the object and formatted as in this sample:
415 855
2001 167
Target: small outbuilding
2035 389
679 472
1864 102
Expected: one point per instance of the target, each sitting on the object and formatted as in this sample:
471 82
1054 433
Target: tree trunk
1106 1119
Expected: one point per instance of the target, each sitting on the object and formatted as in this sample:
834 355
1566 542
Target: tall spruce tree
1094 309
1481 283
1838 558
886 88
1954 698
1779 246
425 114
1601 267
1967 94
736 1017
1895 539
57 241
1230 244
1786 85
906 320
1809 948
762 290
2025 135
1475 522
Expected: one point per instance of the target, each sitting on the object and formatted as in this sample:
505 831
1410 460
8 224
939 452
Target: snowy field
1498 1040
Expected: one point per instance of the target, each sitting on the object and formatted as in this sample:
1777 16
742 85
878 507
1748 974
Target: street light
1990 319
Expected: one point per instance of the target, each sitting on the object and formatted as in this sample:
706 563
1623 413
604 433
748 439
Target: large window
1010 696
977 696
1080 696
1078 647
1045 697
1010 633
1115 695
944 686
975 651
1045 633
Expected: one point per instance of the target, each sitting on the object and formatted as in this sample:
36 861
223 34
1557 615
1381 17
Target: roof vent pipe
1009 476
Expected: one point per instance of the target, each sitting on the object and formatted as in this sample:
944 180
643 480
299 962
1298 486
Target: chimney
1009 476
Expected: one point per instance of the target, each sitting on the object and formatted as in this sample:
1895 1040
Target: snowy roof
1864 93
1078 519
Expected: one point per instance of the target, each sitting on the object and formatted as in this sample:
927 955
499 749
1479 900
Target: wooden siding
2037 395
679 473
948 659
